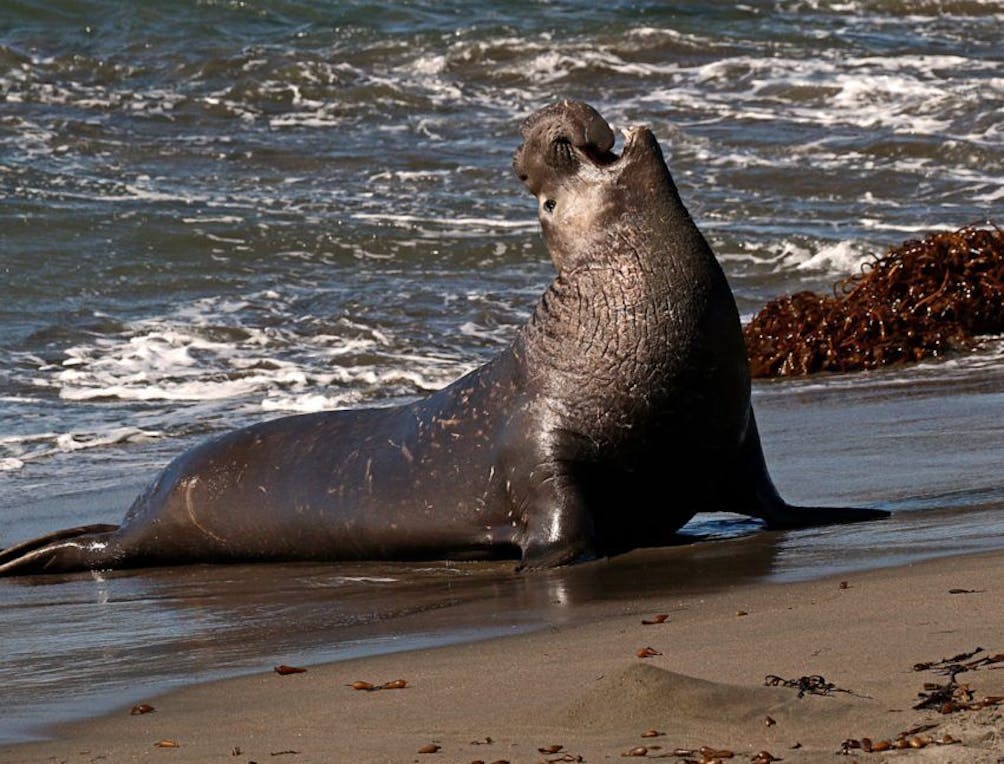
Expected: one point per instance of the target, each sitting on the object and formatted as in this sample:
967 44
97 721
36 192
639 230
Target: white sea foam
159 363
211 350
411 175
551 65
877 224
308 403
203 219
19 399
989 197
497 334
838 257
323 116
813 258
902 92
411 221
429 63
353 388
18 450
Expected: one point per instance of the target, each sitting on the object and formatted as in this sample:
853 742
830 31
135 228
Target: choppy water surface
216 212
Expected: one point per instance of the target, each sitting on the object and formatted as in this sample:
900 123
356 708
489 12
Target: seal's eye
549 205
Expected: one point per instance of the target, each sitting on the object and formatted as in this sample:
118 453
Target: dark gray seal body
619 411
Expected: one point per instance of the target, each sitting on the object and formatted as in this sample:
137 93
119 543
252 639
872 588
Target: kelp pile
921 299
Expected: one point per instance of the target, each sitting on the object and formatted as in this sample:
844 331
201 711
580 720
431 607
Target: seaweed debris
812 685
921 299
952 696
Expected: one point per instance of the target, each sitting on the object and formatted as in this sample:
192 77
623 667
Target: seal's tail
81 548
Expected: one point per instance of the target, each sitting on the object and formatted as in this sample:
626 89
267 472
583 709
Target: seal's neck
634 302
651 313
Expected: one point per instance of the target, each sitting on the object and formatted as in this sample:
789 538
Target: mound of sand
644 696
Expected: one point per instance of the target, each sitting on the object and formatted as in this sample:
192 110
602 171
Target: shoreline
582 685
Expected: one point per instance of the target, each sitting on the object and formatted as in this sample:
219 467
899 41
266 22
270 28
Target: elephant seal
619 411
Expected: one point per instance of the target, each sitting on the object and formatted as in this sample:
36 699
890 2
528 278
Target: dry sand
584 688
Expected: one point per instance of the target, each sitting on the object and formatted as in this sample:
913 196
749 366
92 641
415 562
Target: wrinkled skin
619 411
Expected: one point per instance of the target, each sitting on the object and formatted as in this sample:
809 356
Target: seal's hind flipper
752 492
56 552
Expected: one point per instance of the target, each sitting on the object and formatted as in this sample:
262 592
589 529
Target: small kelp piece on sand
920 299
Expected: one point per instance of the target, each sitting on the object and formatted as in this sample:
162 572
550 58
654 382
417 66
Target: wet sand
583 687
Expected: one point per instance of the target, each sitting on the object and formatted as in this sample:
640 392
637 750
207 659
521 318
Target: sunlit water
216 212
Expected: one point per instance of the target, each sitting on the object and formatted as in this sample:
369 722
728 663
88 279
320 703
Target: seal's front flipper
538 555
560 534
558 530
82 548
789 516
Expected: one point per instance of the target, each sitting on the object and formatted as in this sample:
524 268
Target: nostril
549 205
562 155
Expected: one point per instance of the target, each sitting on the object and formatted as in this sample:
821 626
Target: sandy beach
583 693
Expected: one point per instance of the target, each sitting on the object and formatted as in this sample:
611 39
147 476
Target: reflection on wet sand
131 633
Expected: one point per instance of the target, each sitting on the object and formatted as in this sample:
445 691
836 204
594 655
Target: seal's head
584 190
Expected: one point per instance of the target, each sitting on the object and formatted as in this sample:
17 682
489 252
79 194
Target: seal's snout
574 121
556 138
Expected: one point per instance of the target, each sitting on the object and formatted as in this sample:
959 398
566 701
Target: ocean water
216 212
